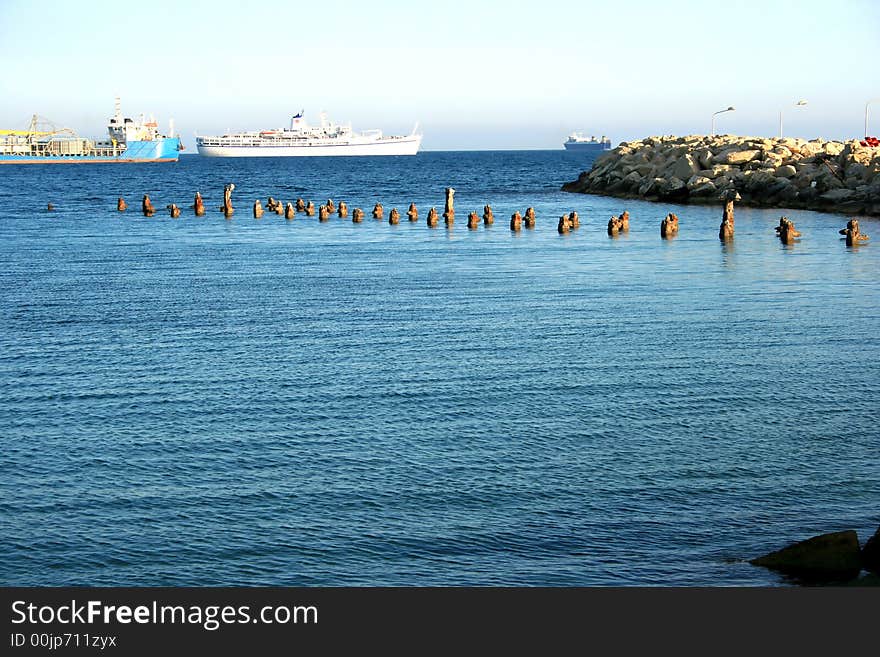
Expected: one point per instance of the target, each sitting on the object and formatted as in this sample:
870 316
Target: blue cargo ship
129 141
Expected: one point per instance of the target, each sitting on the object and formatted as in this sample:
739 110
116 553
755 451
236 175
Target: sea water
205 401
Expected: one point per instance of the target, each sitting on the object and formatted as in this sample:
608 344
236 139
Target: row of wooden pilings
786 230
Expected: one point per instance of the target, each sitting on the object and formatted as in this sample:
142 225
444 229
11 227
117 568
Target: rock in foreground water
832 556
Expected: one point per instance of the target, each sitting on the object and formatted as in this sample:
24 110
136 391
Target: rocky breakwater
829 176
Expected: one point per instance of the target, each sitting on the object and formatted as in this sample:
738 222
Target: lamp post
800 103
873 100
729 109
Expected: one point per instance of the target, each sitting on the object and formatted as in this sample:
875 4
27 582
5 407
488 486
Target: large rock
829 557
838 195
685 167
737 157
673 189
871 553
786 171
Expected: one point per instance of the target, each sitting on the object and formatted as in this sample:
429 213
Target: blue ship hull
157 150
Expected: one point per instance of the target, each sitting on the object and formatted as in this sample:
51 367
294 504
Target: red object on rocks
870 141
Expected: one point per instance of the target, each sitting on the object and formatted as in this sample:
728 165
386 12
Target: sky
474 74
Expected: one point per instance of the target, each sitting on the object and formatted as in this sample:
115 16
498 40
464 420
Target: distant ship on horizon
301 139
577 141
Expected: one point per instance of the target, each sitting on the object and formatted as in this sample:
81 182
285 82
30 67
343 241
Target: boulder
828 557
785 171
707 189
672 189
838 195
705 157
685 167
871 553
737 157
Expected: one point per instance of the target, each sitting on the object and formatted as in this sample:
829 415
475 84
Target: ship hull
398 146
157 150
586 146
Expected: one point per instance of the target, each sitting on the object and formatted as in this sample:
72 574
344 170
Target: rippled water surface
203 402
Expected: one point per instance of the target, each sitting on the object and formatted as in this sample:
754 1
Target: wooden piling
412 213
488 217
449 209
121 205
173 210
529 218
378 211
357 216
199 205
433 218
147 206
258 209
343 209
473 221
669 226
516 221
227 208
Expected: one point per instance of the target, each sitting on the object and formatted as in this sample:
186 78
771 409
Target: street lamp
800 103
873 100
729 109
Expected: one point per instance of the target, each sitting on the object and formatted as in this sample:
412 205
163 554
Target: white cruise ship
301 139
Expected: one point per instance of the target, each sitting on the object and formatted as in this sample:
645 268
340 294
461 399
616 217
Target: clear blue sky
474 74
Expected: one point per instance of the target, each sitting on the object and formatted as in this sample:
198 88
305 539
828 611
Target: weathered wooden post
449 209
624 222
488 217
227 208
573 220
289 211
529 218
669 226
121 205
473 220
199 205
300 205
516 221
394 217
853 233
728 213
310 209
378 211
147 206
786 231
50 207
563 226
343 209
357 216
173 210
258 209
413 213
614 225
330 207
433 218
323 213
